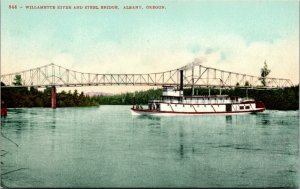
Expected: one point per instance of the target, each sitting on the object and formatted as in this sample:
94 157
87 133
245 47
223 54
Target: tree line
138 97
24 97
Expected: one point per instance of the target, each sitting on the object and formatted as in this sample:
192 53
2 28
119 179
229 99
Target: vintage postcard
149 93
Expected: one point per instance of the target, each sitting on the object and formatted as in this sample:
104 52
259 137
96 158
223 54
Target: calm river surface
105 146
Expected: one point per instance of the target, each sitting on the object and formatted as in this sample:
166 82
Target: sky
237 36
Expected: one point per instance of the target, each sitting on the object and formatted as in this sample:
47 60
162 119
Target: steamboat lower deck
200 109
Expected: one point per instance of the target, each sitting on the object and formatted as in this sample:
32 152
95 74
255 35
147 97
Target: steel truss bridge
195 75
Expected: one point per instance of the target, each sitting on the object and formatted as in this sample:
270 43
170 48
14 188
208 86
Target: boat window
247 107
241 107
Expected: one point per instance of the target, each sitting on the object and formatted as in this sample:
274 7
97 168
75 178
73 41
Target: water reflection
53 120
53 126
181 151
17 111
229 119
187 141
181 142
146 123
147 117
22 120
264 119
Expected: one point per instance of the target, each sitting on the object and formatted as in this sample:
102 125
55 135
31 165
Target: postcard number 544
12 6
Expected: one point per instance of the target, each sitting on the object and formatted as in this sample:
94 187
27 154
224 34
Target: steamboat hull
170 113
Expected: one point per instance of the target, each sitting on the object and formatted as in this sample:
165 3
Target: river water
107 147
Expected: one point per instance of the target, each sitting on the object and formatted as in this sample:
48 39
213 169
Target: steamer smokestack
181 80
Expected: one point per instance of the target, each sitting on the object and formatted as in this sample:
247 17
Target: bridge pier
53 97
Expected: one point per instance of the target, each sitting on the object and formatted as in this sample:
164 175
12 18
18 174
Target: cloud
228 52
147 54
281 55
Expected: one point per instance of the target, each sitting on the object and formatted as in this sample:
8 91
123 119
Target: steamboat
173 102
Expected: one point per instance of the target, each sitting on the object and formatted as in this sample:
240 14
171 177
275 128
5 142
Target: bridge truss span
194 75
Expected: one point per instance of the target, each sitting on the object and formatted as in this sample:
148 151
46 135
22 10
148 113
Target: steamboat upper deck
171 95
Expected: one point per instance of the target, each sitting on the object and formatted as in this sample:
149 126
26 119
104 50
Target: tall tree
263 73
247 83
18 80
